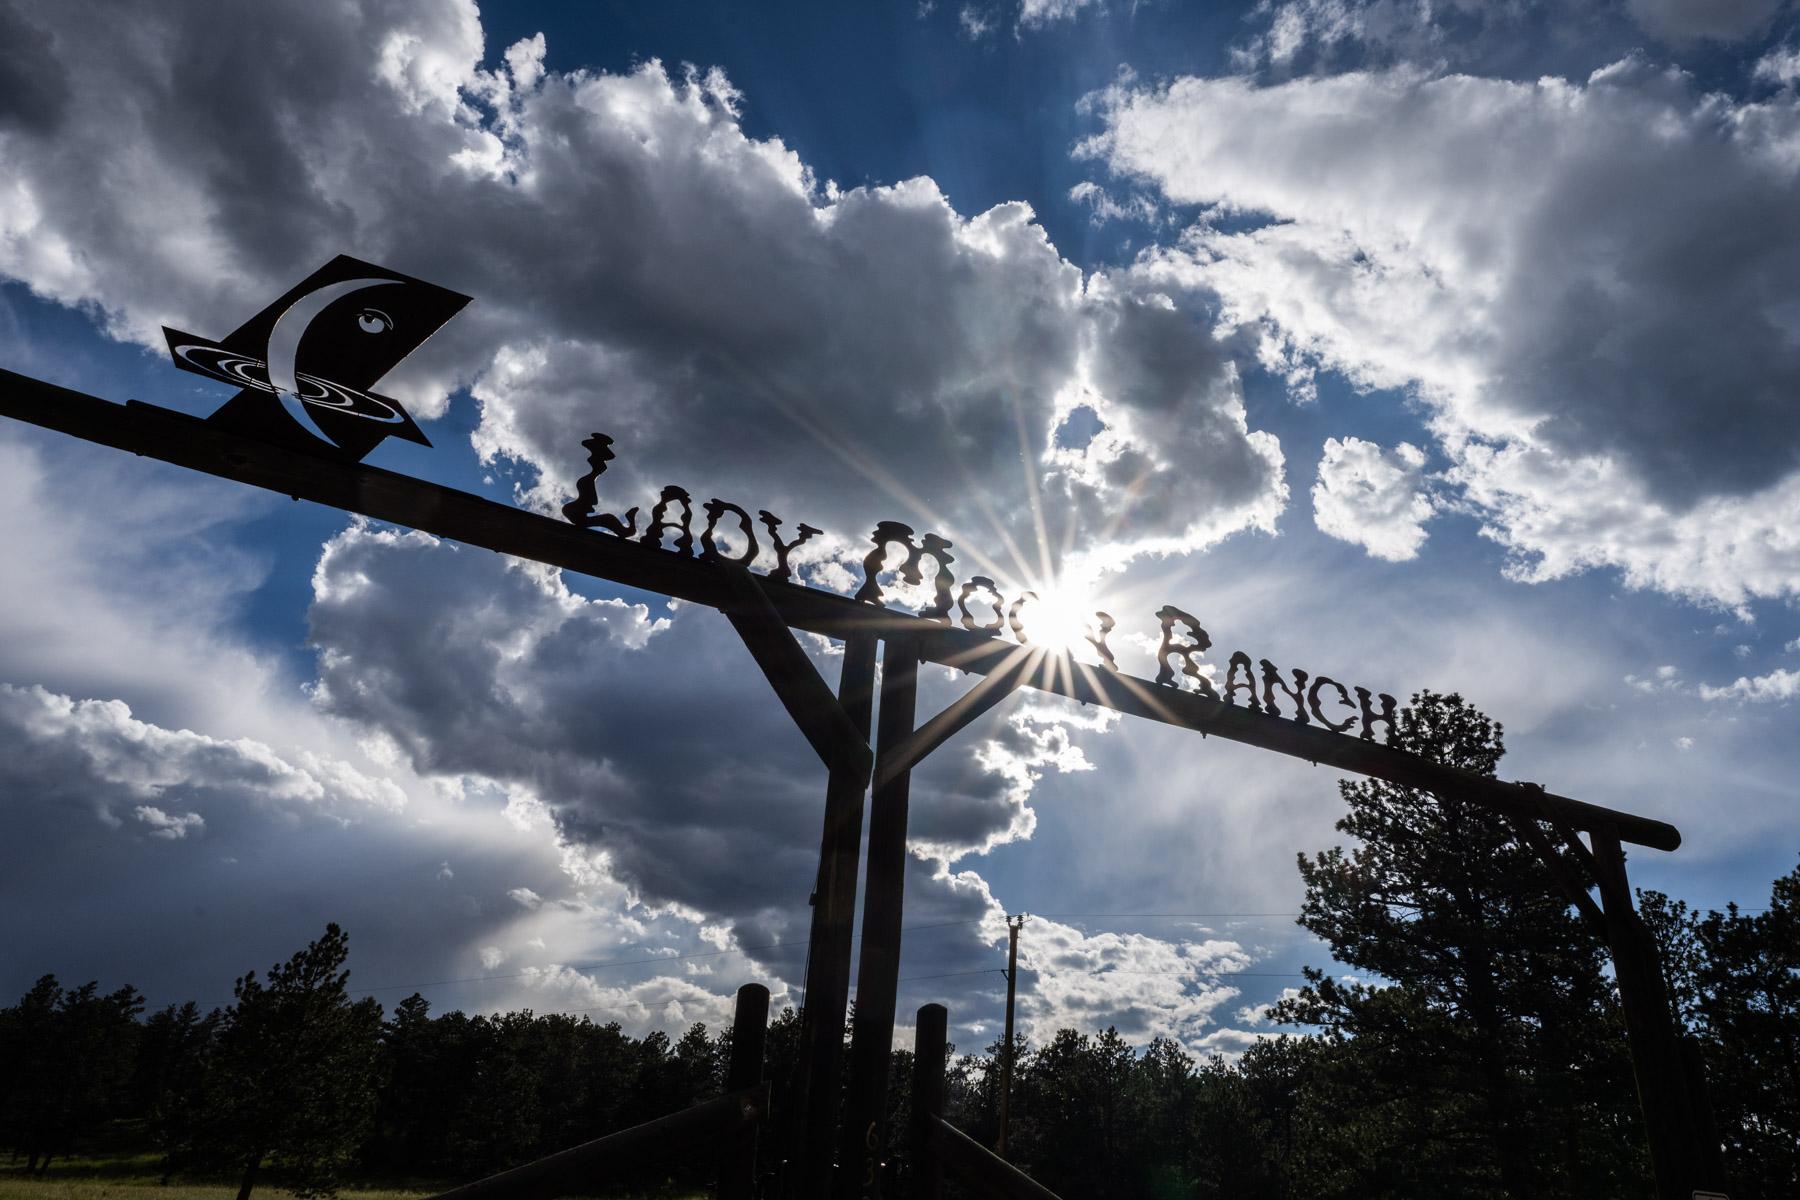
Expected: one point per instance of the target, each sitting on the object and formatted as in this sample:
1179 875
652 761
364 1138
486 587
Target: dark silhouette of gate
837 723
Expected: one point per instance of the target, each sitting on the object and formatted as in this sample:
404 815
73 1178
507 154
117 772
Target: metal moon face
318 355
284 345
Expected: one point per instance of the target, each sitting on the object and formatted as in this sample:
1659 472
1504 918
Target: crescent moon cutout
284 344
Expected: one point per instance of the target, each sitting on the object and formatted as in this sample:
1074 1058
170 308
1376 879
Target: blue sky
1447 348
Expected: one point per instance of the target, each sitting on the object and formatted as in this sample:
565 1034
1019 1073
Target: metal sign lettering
1309 698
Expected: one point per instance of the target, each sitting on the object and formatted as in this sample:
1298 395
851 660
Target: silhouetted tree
293 1081
1736 978
69 1056
1490 1063
174 1055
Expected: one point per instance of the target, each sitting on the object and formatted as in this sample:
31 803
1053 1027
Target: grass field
136 1177
127 1175
73 1187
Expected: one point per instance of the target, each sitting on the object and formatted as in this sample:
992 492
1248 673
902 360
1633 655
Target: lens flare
1060 618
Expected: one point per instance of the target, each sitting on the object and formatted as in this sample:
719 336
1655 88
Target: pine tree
66 1063
1477 1053
1736 979
294 1082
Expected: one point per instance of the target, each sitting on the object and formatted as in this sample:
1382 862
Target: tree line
1472 1048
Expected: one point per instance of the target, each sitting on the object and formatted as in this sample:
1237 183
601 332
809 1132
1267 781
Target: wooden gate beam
816 1093
911 750
186 441
878 964
807 697
1683 1148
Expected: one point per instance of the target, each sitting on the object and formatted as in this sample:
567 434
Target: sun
1060 619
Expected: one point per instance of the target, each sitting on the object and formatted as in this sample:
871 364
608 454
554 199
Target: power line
792 942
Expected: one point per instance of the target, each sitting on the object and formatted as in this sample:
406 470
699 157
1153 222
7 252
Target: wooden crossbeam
1565 875
808 698
446 512
957 715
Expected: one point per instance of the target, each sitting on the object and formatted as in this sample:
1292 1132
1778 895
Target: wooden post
749 1034
1006 1047
878 965
813 1101
929 1042
1671 1120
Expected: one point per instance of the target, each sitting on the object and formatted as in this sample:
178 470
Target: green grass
77 1187
90 1179
137 1175
131 1174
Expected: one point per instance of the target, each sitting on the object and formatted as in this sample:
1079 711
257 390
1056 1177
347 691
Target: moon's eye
373 320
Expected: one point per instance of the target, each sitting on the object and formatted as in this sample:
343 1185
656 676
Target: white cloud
1103 208
491 957
975 23
647 747
640 266
1666 678
1037 13
1778 685
1780 65
1373 498
1142 985
170 826
1589 285
96 755
666 1002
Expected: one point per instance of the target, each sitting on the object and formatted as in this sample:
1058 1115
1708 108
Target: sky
1434 346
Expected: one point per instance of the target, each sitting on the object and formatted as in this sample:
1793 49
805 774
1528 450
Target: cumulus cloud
1590 285
170 826
644 267
641 266
1034 13
1778 685
1373 498
665 1002
1519 39
1144 986
177 860
647 743
94 754
1103 207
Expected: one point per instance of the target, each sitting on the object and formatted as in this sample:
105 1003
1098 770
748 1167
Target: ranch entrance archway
870 749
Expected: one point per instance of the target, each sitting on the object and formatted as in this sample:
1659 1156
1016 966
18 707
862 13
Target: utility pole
1006 1047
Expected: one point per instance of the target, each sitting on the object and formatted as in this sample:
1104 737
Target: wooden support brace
911 750
976 1164
606 1159
807 698
1564 874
